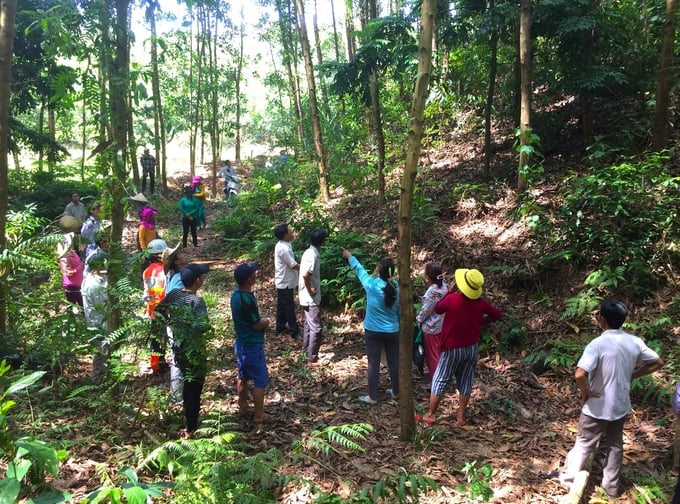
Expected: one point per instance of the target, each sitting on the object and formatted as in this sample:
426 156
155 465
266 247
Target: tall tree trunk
313 105
118 91
286 19
239 76
336 38
405 212
158 123
589 62
663 83
525 70
8 11
349 30
193 96
493 65
52 132
377 115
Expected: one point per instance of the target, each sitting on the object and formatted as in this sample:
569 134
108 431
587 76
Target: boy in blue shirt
249 344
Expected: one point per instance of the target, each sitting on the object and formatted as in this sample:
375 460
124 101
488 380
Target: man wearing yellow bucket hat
466 312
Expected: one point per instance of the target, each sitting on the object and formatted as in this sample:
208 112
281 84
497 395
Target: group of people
451 320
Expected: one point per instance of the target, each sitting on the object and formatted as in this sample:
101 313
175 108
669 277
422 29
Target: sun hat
156 246
63 247
469 282
168 256
192 272
69 224
139 198
243 272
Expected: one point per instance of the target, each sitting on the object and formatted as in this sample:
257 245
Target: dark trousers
191 396
186 226
73 295
375 341
311 335
152 179
285 312
676 494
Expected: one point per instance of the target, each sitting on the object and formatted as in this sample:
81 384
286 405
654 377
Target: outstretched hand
346 253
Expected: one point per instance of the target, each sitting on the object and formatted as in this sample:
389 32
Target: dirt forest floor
520 423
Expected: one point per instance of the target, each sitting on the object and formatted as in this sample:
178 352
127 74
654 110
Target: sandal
420 418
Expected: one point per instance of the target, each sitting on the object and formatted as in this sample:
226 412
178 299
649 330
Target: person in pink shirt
466 312
71 270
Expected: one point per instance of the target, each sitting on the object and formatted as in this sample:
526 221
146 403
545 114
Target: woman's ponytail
386 271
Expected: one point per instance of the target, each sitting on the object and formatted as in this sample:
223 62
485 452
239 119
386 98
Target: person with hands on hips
309 294
603 375
381 323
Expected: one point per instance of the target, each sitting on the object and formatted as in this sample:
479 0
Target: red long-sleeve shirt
464 319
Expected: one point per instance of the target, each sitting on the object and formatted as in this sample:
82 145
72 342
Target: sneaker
367 400
391 394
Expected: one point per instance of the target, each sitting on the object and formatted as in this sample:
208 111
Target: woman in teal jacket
381 323
188 207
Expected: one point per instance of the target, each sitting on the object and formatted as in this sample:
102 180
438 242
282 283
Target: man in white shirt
603 375
76 209
286 279
309 292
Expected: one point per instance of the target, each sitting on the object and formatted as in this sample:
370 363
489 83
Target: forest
533 140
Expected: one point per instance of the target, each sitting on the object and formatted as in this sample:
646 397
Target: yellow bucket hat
470 282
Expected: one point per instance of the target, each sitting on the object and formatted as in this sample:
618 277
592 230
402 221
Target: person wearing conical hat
465 313
71 270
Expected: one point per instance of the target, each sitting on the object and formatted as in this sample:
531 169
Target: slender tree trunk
525 68
377 115
663 83
586 100
336 38
52 132
158 124
349 30
286 19
8 11
119 92
313 105
41 129
405 212
239 76
493 65
193 97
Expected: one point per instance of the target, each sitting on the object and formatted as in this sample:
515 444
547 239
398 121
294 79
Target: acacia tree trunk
158 122
8 10
349 30
663 83
493 65
290 62
586 99
313 105
405 211
525 71
239 76
377 115
118 92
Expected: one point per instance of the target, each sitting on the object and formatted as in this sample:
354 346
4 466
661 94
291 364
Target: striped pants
460 363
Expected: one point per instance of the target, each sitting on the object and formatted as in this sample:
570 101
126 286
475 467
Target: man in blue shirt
249 344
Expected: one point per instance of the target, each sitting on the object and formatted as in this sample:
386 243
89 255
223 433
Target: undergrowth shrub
621 220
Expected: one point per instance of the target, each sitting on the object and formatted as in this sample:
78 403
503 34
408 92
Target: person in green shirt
189 208
249 344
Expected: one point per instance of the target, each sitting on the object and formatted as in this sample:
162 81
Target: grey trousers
590 432
311 334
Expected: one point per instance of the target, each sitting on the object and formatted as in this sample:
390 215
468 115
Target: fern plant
324 441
